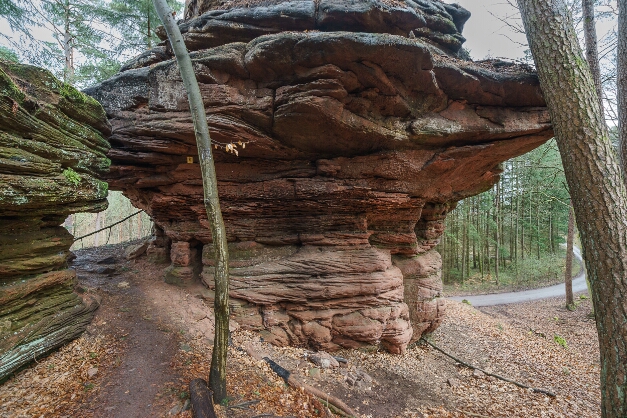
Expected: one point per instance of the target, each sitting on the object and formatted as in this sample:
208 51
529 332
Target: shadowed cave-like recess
359 125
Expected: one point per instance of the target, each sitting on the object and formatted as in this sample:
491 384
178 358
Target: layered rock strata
357 128
52 149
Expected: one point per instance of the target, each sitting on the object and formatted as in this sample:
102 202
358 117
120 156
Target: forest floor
149 339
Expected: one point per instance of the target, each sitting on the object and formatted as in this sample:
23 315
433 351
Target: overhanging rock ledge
358 125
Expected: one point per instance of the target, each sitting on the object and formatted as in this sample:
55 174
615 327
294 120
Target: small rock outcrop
52 150
357 126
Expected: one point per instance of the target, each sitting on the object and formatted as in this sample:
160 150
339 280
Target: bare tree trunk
592 50
98 226
217 375
496 234
621 82
568 275
68 50
594 179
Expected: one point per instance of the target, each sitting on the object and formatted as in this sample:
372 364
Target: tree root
505 379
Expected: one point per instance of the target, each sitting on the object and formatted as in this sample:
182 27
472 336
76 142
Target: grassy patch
72 176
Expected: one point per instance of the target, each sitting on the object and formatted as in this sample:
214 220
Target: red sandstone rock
355 138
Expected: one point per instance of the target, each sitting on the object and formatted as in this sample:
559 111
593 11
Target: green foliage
72 176
11 11
95 36
467 302
136 21
8 54
524 217
560 340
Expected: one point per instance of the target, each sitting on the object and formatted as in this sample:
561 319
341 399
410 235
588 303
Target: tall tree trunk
98 226
68 49
537 227
621 82
568 275
496 235
594 179
149 29
474 236
592 50
217 375
487 240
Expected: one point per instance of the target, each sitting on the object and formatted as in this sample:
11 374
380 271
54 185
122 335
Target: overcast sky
486 35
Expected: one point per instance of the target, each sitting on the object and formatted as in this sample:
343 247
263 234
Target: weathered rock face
357 130
52 148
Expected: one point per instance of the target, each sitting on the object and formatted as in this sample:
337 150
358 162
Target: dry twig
505 379
293 381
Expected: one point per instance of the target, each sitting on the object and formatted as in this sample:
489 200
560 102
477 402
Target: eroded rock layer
357 129
52 149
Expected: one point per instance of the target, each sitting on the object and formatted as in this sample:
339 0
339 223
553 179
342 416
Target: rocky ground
149 339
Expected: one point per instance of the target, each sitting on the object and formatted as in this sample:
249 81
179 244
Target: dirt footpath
149 339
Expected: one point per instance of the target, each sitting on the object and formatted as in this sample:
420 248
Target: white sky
486 35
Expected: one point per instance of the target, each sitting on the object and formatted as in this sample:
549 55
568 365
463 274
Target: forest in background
82 42
136 227
511 235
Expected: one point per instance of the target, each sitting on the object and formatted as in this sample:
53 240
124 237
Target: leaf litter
515 341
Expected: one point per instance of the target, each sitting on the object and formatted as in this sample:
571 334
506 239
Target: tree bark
217 375
621 82
68 50
200 397
594 179
592 50
496 234
568 275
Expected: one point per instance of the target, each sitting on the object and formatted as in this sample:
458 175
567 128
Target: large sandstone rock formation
357 127
52 149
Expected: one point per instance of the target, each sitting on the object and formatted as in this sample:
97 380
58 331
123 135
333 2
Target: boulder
52 154
135 250
344 133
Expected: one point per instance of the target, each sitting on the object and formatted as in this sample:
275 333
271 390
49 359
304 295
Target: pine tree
136 22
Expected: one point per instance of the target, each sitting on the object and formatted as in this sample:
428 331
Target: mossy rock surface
53 146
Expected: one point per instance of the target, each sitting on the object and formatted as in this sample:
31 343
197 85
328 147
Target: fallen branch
293 381
108 227
244 405
505 379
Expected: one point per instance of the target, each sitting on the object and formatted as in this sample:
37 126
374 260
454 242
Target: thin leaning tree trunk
217 375
594 179
568 275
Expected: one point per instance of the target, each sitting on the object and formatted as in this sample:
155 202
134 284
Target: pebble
323 360
178 408
92 372
315 373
